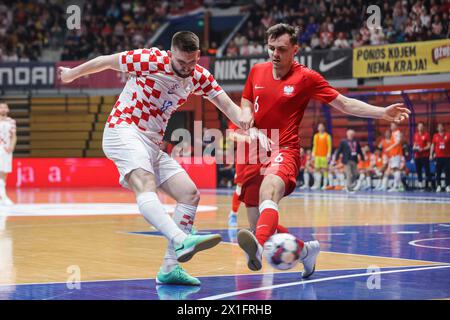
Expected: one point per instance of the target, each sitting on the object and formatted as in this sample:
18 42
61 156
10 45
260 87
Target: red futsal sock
267 222
281 229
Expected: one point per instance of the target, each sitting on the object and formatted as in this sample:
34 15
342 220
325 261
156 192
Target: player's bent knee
141 181
192 197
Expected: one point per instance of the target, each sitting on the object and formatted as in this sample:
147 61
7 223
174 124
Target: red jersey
422 140
442 145
280 104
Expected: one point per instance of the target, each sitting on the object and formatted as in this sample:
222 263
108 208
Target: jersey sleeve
321 89
204 83
144 61
248 88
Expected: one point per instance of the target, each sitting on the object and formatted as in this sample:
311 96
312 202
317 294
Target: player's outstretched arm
232 111
393 113
92 66
241 117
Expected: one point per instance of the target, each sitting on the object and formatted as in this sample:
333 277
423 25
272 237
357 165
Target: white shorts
130 150
5 161
395 162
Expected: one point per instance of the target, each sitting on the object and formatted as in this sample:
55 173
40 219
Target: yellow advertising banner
402 59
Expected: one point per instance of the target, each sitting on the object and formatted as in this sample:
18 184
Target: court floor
93 244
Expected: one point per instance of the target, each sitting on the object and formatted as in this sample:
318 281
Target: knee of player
267 193
191 197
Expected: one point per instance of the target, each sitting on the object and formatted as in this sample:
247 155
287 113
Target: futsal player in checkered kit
277 92
160 81
8 139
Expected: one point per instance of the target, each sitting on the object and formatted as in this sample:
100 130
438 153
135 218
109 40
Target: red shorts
284 164
238 176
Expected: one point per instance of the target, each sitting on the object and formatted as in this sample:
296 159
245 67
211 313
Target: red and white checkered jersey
153 92
7 129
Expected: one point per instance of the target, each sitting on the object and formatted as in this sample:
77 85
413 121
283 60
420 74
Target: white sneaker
309 262
438 189
447 189
315 188
393 189
248 242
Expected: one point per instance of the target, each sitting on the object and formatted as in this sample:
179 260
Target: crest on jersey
166 105
288 90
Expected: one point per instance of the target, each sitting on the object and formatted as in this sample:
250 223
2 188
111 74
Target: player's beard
179 74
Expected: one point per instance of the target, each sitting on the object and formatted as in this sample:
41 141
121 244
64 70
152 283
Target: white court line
414 243
207 276
83 209
290 284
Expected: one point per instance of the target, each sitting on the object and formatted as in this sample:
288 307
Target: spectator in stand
232 49
239 39
267 20
365 34
358 42
436 27
326 36
255 48
212 50
341 42
376 37
245 48
315 41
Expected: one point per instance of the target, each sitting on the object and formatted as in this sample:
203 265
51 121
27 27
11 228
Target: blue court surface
429 242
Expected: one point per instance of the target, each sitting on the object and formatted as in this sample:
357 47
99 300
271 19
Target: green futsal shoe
196 243
178 276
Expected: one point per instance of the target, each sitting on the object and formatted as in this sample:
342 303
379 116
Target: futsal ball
282 251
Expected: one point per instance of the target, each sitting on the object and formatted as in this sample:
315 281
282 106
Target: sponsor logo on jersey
288 90
166 105
258 87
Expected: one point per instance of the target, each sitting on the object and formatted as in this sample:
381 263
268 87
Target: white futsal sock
306 180
369 182
153 211
325 181
359 182
397 179
183 216
385 182
317 180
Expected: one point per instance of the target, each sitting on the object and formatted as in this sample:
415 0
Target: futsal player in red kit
277 93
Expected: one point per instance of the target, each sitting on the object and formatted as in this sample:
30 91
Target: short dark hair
281 29
186 41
